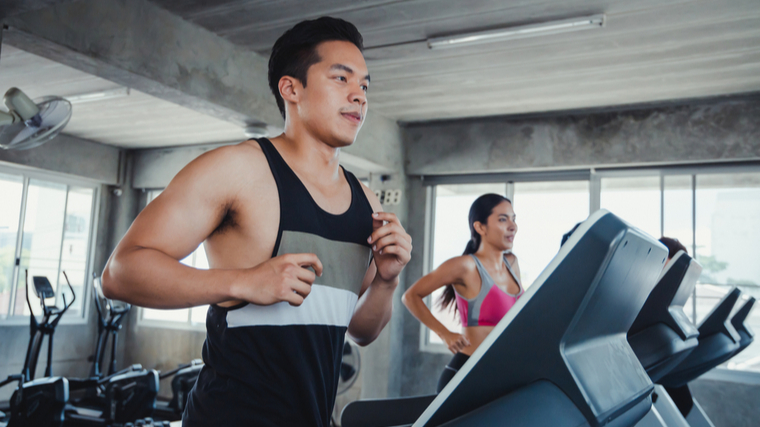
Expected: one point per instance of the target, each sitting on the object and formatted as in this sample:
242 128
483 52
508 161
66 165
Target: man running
300 251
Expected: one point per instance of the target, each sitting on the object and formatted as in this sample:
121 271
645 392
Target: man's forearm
150 278
373 311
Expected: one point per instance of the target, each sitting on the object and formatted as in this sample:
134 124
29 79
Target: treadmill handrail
739 318
718 319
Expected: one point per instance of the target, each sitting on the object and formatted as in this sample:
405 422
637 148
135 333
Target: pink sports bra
491 303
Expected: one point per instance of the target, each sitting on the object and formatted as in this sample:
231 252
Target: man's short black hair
296 50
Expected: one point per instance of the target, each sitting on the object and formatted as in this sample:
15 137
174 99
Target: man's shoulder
245 158
371 197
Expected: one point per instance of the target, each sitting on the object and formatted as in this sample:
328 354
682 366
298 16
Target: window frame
594 177
27 174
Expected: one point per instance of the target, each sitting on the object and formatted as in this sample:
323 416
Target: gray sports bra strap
482 270
512 272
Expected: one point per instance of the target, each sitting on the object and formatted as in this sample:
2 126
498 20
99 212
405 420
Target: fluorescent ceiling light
521 32
98 96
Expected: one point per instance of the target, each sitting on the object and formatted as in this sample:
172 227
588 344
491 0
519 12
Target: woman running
484 282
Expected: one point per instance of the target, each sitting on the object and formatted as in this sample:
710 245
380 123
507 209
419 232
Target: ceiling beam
14 7
139 45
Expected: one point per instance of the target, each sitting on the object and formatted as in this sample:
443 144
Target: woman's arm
451 271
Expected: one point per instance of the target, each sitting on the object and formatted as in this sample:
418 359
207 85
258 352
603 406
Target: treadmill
662 335
718 342
560 356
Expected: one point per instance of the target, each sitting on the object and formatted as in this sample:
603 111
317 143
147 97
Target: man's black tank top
278 365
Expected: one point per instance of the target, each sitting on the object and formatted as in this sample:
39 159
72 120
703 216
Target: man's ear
290 88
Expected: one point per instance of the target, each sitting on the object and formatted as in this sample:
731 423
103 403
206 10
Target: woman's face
501 227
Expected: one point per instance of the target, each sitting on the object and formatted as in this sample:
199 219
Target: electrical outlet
388 197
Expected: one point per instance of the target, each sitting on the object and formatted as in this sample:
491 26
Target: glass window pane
677 209
11 188
451 234
41 241
634 199
177 315
545 211
198 314
76 237
677 216
727 229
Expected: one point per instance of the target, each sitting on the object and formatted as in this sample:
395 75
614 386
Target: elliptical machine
114 398
40 402
111 313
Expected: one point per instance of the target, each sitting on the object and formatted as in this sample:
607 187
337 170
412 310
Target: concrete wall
71 155
716 131
73 343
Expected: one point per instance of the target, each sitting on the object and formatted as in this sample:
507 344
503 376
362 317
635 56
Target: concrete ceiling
134 121
650 50
197 69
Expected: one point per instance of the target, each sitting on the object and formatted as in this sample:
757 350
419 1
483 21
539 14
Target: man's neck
310 157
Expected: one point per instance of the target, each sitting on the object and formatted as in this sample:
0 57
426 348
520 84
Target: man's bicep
184 214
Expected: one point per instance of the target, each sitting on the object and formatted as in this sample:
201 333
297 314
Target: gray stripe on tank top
344 263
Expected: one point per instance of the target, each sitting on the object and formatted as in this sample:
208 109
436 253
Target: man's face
333 104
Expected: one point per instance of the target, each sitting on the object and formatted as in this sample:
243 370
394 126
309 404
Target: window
545 212
194 317
634 199
727 232
714 212
46 227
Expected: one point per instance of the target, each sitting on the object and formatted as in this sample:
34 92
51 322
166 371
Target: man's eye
341 78
365 88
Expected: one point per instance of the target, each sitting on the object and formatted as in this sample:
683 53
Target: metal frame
27 174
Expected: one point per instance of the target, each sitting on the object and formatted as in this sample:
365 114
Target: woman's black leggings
450 370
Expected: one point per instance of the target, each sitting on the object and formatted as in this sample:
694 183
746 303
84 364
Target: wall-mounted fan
29 124
349 366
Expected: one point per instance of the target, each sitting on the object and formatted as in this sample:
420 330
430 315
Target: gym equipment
350 364
662 335
124 396
127 395
51 315
118 397
184 379
746 334
40 402
29 124
571 368
111 313
718 342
